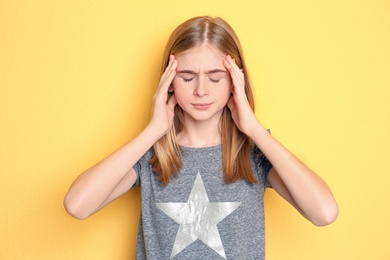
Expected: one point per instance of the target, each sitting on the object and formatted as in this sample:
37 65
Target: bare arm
108 179
292 179
296 182
114 175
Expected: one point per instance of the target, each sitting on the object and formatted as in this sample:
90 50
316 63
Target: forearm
92 188
309 192
111 177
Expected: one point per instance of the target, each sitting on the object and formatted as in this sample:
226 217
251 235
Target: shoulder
260 164
258 156
143 164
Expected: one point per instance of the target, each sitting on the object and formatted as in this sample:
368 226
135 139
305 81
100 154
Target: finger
231 65
168 75
167 85
166 71
226 63
235 73
236 70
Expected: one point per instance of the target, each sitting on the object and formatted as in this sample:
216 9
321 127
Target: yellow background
77 79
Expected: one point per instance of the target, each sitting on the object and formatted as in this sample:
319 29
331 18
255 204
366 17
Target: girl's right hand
163 110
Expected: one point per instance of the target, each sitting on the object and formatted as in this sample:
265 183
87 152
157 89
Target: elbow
74 209
328 215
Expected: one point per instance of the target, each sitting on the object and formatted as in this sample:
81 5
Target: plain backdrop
77 80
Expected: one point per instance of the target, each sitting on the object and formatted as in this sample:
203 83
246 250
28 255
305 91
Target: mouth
202 106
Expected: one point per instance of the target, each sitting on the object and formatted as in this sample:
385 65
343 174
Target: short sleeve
142 166
262 166
137 169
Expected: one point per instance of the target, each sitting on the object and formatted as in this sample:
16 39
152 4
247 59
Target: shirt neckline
190 148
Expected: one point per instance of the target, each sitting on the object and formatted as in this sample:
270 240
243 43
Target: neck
200 134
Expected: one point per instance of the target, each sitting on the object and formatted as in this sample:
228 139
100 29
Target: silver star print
198 219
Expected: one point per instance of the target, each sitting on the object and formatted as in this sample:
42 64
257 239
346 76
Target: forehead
201 56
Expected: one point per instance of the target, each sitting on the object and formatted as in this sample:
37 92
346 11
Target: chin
203 117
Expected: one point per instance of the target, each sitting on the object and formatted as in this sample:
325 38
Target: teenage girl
204 161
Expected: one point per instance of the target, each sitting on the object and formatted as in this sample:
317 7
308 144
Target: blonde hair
236 146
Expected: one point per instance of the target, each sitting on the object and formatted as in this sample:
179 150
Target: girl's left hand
238 104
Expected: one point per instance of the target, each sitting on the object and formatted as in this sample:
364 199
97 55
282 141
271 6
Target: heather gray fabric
197 215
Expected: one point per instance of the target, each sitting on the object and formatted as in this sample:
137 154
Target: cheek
177 84
225 94
179 93
226 89
230 84
177 87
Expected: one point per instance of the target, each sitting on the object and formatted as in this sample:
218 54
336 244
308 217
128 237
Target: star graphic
198 219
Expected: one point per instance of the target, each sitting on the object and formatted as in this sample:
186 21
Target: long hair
236 146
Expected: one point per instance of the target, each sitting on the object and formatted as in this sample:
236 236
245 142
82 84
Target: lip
202 106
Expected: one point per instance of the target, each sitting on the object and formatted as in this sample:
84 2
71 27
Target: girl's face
202 85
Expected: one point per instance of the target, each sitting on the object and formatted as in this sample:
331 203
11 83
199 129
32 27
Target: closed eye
188 79
214 80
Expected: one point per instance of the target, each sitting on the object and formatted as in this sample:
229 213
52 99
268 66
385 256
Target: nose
201 88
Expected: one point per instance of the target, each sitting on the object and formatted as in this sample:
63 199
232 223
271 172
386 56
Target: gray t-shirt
197 215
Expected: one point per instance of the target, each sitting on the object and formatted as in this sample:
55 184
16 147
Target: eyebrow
207 72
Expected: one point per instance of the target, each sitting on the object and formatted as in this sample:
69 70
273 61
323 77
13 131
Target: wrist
155 131
151 133
262 138
255 129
